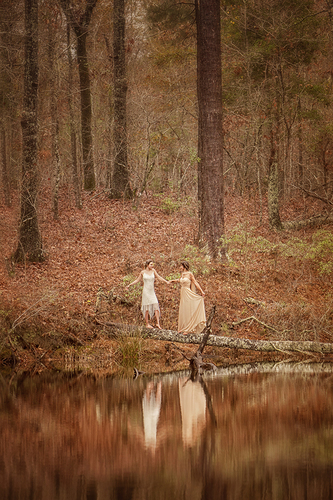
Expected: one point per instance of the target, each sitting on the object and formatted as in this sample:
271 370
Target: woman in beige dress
192 316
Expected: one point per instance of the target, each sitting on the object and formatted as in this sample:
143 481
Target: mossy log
315 221
219 341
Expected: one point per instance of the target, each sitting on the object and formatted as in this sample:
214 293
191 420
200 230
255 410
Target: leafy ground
47 310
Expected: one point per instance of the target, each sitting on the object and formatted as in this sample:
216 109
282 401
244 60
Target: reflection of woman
149 305
151 406
193 410
192 316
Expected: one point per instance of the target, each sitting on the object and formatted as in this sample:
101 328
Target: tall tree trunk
53 82
109 129
300 147
86 112
273 186
76 177
5 180
120 186
30 241
80 26
210 137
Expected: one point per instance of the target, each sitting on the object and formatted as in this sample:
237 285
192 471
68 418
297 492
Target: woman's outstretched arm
160 278
135 281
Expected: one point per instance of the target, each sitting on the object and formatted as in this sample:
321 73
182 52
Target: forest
135 129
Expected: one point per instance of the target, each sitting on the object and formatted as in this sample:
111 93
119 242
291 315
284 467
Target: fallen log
315 221
284 346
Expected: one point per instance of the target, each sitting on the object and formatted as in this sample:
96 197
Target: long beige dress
193 410
192 316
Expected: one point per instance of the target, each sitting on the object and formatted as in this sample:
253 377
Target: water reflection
257 432
193 410
151 406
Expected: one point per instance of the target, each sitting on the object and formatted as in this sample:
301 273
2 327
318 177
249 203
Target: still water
244 432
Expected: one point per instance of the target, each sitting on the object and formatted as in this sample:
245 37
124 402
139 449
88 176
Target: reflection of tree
209 402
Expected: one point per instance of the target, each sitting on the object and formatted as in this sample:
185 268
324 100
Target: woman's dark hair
148 262
185 265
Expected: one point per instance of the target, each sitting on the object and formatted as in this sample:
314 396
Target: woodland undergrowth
48 310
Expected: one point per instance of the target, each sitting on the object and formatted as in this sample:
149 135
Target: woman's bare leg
157 314
147 320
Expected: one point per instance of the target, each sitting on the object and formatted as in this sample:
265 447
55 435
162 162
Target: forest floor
48 310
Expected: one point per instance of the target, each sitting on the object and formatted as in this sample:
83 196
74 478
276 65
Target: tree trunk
30 241
210 137
80 26
273 187
53 83
110 114
76 178
120 186
300 172
5 180
85 93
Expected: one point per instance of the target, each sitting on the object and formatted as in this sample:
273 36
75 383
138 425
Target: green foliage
171 15
241 239
319 92
269 35
172 56
134 291
198 260
170 206
311 114
173 276
130 349
319 250
322 142
194 158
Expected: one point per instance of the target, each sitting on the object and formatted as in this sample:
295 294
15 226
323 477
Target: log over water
227 342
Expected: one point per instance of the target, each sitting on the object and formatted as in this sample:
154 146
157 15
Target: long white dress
151 406
192 316
149 300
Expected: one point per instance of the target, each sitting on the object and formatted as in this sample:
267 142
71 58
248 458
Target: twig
207 331
236 323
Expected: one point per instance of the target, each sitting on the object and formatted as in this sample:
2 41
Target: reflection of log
217 341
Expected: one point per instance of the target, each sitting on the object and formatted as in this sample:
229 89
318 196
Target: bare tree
79 21
120 186
5 179
54 95
76 178
30 241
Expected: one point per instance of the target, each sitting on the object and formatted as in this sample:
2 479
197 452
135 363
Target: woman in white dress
192 316
149 305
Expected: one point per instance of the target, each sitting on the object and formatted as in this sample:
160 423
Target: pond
259 431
